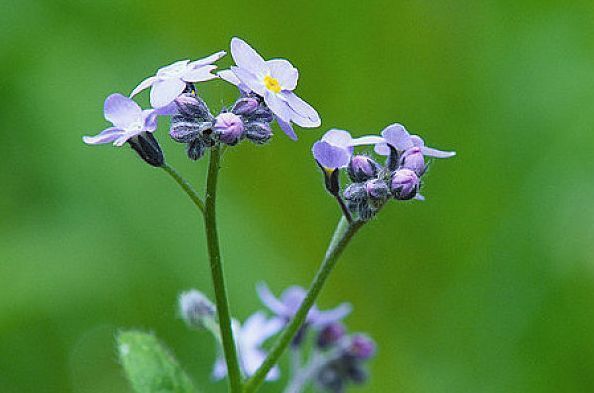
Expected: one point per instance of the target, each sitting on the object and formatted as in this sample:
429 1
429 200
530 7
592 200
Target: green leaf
149 365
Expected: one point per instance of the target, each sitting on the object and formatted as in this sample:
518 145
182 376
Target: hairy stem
185 186
216 268
342 236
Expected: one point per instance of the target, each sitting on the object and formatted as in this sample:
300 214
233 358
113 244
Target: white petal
229 76
148 82
121 110
284 72
337 137
367 140
250 80
278 106
247 58
199 74
165 91
207 60
308 117
106 136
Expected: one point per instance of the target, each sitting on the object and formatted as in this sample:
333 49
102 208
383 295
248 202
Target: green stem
185 186
342 236
216 268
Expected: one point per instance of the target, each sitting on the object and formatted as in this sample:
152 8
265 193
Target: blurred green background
488 286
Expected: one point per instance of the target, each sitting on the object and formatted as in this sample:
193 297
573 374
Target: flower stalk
187 187
216 268
342 236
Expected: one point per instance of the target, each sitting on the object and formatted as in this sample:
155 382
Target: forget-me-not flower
170 81
249 339
128 120
273 80
397 136
335 149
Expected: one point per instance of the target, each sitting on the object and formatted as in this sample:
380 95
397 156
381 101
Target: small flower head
171 81
397 136
330 335
274 81
128 120
362 168
195 308
361 347
335 148
229 128
286 307
249 339
404 184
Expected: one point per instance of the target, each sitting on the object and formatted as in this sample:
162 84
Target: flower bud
258 132
404 184
196 309
377 189
356 192
185 129
229 128
189 105
148 149
361 168
361 347
262 114
330 335
413 159
356 373
245 106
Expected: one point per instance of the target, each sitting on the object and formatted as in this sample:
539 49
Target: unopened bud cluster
372 184
194 124
346 358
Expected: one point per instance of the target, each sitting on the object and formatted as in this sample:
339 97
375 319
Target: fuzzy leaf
149 366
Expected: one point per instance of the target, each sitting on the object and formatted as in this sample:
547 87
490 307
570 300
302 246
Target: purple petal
121 110
367 140
427 151
308 117
395 135
199 74
330 156
148 82
257 329
207 60
106 136
287 128
284 72
323 318
340 138
219 370
165 91
247 58
269 300
250 80
292 297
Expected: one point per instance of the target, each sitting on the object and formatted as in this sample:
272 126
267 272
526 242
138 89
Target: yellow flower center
272 84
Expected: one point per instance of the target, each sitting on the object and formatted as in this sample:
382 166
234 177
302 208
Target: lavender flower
128 120
249 339
286 307
335 148
274 81
397 136
170 81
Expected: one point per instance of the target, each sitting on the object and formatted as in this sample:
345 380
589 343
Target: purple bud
258 132
377 189
330 335
361 168
229 128
188 105
413 159
245 106
147 148
361 347
404 184
355 192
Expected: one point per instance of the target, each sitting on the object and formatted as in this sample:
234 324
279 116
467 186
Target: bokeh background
488 286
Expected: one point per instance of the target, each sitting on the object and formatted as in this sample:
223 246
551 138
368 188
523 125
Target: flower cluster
337 358
266 88
373 184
